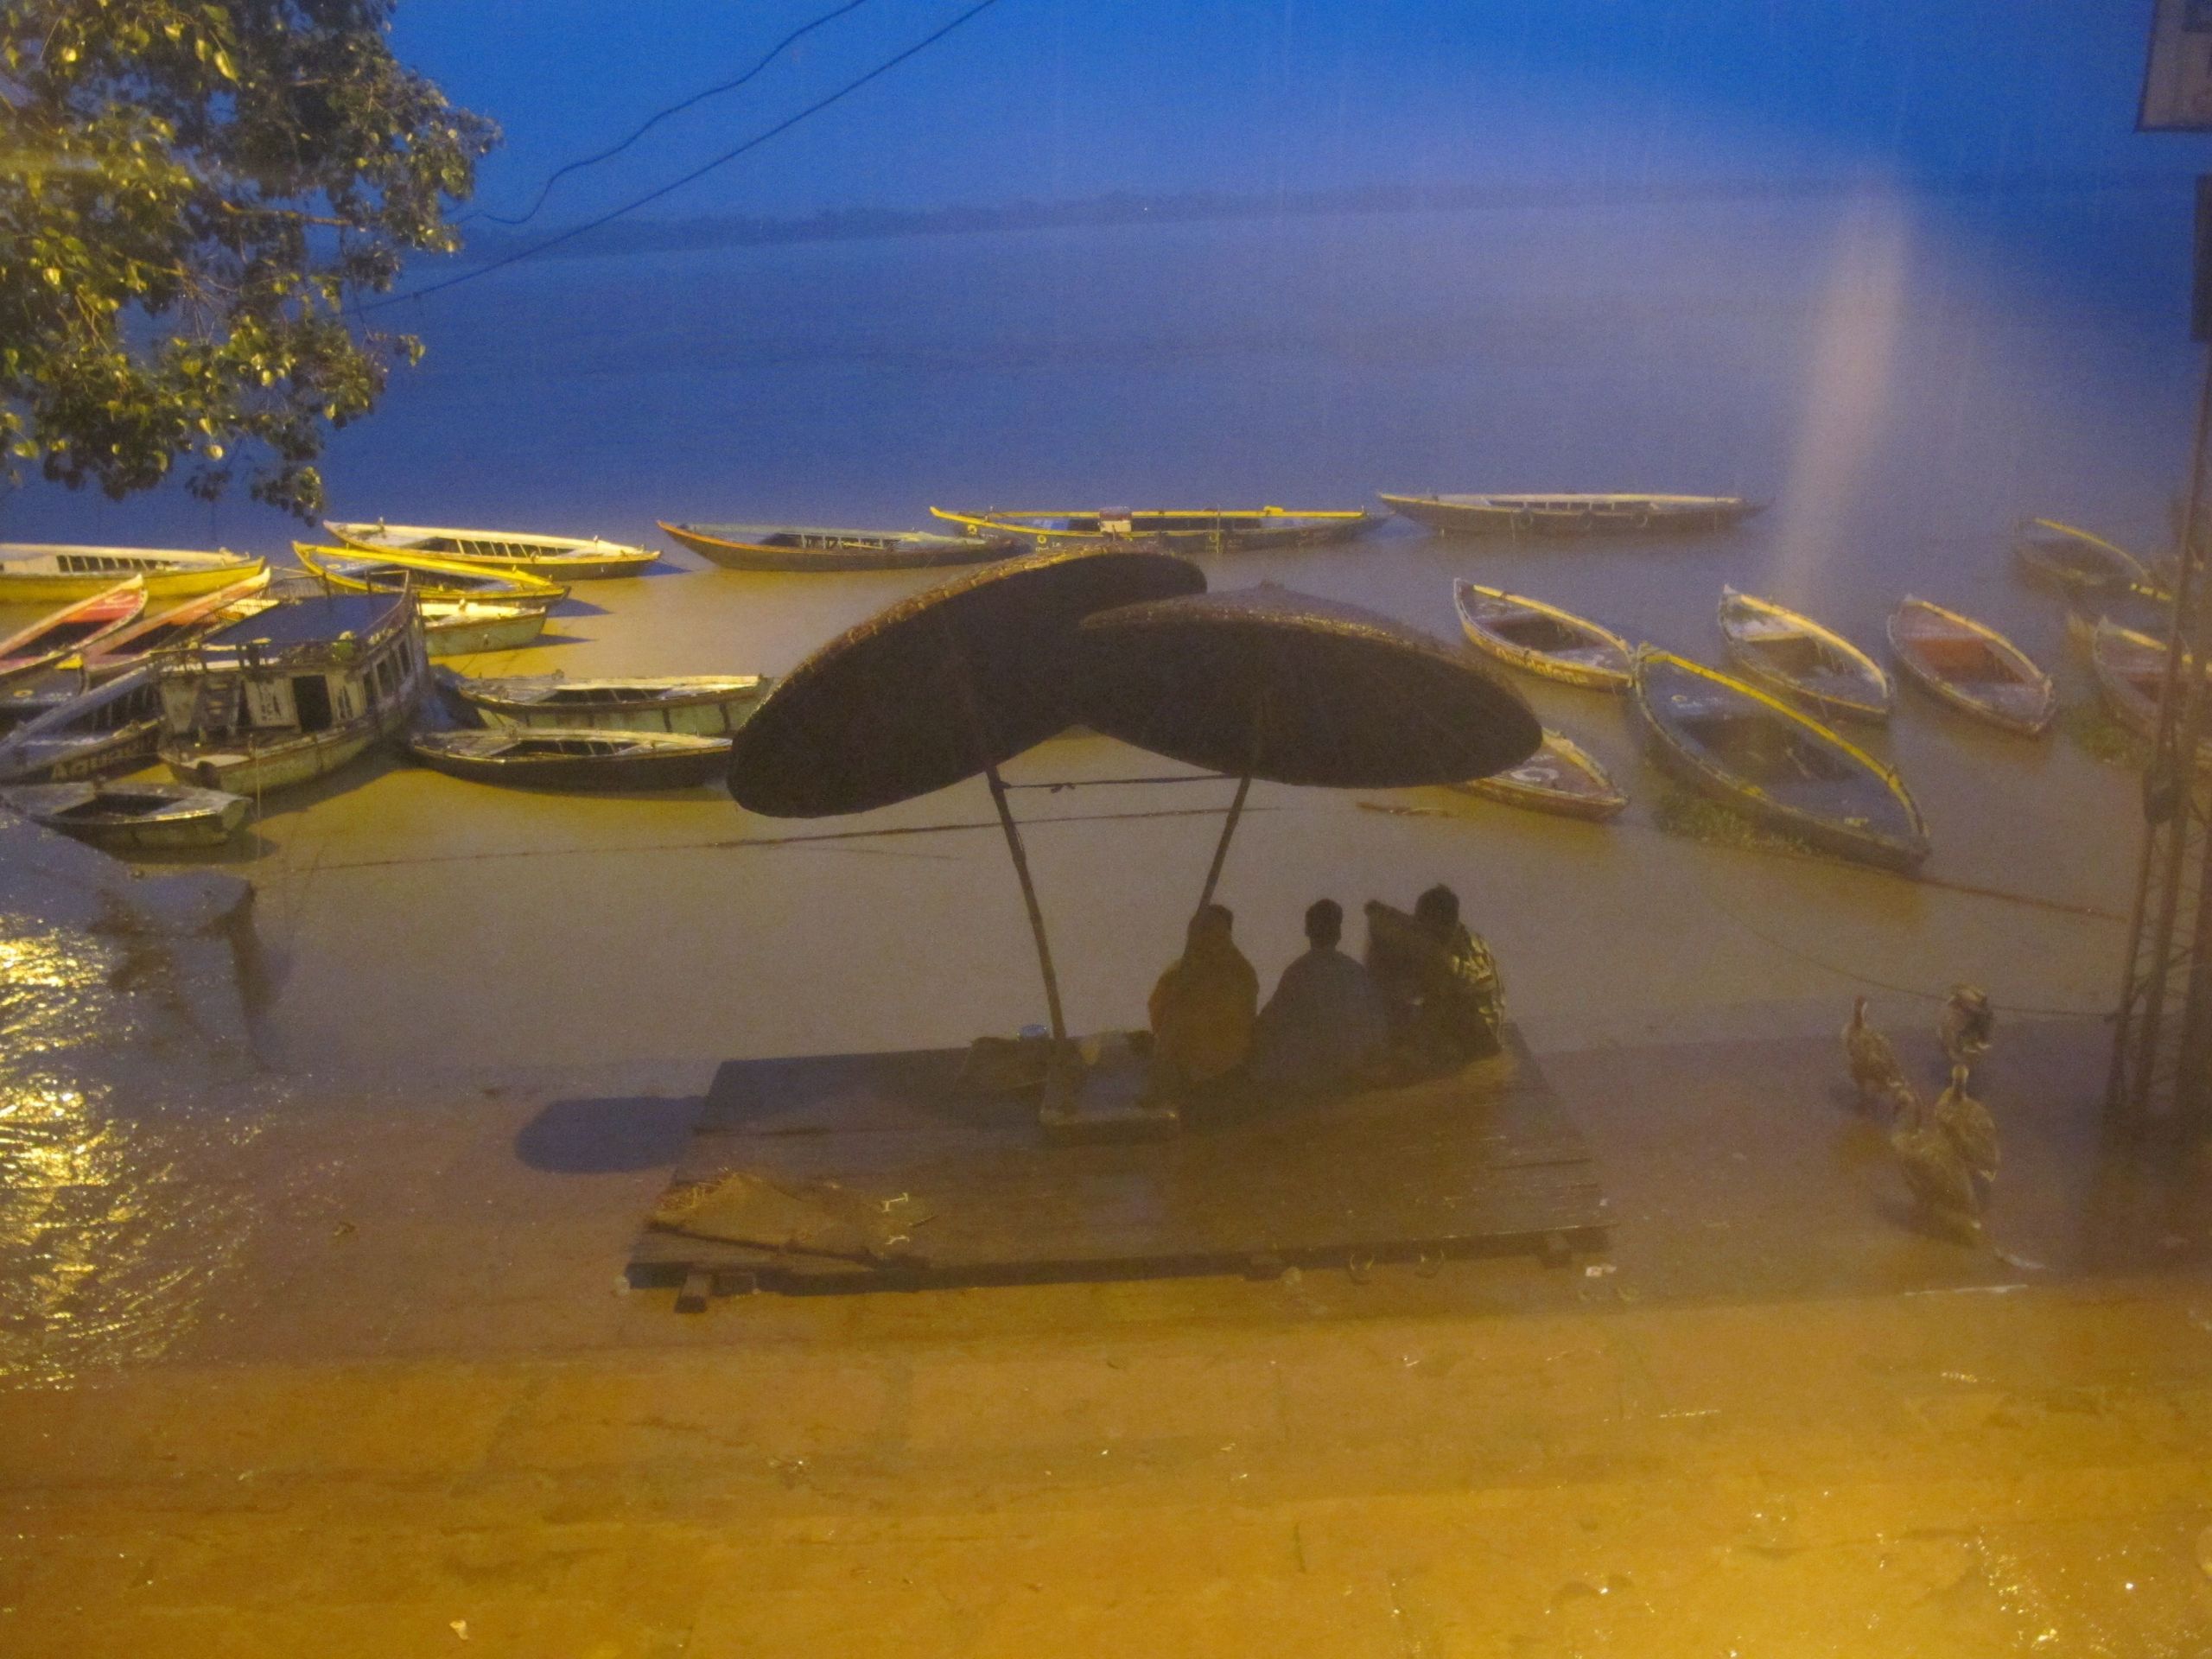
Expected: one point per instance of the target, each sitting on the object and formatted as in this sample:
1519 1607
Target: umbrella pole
1221 847
1029 898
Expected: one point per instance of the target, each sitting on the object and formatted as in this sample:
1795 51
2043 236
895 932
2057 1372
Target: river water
1902 376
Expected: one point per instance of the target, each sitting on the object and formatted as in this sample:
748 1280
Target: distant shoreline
1127 208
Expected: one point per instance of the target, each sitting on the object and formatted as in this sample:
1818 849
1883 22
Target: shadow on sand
601 1137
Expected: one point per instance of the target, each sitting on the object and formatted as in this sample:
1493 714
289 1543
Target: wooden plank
970 1192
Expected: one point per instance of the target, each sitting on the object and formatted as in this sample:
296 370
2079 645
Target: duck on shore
1874 1068
1965 1123
1933 1166
1966 1025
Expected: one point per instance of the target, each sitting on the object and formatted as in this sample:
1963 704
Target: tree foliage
190 196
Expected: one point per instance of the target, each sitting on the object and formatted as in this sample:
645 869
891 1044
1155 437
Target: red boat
71 629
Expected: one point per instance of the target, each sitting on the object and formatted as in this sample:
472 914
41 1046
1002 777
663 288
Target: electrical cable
722 160
653 121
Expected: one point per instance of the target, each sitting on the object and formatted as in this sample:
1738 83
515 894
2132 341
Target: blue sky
1059 99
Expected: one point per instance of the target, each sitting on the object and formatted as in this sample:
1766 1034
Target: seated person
1439 984
1202 1010
1324 1024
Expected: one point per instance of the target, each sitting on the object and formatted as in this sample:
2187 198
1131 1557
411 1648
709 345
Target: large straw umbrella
1265 682
954 681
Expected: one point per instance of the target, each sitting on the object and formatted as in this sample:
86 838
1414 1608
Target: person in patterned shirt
1440 983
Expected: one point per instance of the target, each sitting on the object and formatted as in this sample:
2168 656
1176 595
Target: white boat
127 815
562 558
576 759
467 627
111 727
703 705
294 693
52 573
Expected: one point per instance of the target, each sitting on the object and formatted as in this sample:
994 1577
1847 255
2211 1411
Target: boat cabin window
311 697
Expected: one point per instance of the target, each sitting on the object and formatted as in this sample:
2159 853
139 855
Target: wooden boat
2131 610
552 758
397 573
135 644
1973 667
1543 638
53 572
556 558
809 547
113 726
132 815
468 628
1559 776
73 628
293 694
1792 653
1186 530
703 705
1572 514
2131 675
2064 555
1753 752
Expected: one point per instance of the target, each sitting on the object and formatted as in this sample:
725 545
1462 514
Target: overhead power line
609 154
699 172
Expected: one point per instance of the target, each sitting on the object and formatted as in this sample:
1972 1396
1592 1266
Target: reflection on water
110 1232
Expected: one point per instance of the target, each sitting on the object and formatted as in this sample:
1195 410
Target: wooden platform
861 1172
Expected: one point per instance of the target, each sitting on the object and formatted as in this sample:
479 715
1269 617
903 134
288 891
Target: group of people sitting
1427 1000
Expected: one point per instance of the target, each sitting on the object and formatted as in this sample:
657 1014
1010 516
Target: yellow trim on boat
524 585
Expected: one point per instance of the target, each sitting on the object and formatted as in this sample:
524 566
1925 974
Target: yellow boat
392 573
1196 528
48 573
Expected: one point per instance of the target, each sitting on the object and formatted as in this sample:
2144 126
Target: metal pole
2144 992
957 661
1029 898
1221 847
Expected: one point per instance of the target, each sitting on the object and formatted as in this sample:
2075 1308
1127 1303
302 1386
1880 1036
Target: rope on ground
1902 991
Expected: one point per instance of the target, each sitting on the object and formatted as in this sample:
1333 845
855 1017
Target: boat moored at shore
75 627
131 816
135 644
1543 638
574 758
556 558
2067 556
1752 752
702 705
54 573
1790 652
810 547
111 727
1971 666
1178 529
426 578
293 694
1560 777
1572 513
469 627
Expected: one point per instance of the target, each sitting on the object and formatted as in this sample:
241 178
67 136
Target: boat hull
554 561
1229 530
1598 661
2019 698
1568 518
1559 778
1770 644
258 769
716 719
469 637
188 583
2055 555
918 552
1859 810
195 818
689 767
